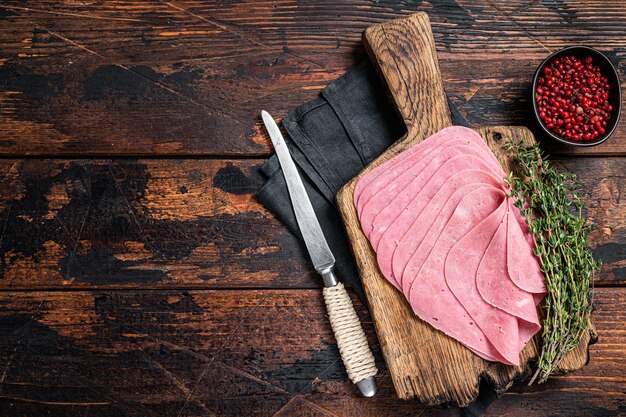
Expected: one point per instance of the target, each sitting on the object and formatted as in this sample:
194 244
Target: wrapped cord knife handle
353 347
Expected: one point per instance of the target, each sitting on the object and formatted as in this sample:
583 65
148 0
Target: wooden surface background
138 276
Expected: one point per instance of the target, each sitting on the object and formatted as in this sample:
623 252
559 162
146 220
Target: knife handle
353 347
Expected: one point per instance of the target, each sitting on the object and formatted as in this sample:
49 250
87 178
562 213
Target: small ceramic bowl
615 92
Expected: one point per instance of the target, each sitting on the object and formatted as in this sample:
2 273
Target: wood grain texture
189 77
195 224
228 353
424 362
138 223
411 72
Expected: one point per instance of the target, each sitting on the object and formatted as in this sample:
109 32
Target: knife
353 347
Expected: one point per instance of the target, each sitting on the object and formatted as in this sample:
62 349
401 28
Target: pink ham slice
435 140
411 254
461 267
421 190
523 266
408 260
522 224
431 298
425 145
377 171
384 175
376 196
494 283
418 170
407 232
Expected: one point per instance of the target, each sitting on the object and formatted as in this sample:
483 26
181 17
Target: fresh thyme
553 209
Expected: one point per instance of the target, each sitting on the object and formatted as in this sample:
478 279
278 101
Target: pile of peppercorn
572 98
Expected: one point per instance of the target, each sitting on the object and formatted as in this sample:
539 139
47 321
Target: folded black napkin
331 139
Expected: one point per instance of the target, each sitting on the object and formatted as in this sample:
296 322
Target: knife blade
353 346
310 228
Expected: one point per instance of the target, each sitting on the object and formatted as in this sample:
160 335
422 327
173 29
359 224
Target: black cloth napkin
331 139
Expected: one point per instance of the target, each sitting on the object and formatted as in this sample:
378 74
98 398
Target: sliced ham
430 297
366 180
401 240
410 255
384 174
461 268
380 193
387 174
523 266
494 283
447 235
421 189
418 168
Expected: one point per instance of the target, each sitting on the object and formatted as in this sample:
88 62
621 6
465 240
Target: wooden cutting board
424 362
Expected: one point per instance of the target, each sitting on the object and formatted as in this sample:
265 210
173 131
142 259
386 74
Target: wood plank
138 224
460 28
231 353
190 77
195 224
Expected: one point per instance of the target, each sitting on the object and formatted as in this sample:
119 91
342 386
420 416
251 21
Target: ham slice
366 181
421 189
494 283
384 174
461 268
413 176
405 235
523 266
430 297
447 235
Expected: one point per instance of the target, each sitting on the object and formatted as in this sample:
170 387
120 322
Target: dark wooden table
139 277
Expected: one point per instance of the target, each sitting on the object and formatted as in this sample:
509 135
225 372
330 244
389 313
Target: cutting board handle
404 50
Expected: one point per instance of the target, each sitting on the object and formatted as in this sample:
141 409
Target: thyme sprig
553 209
